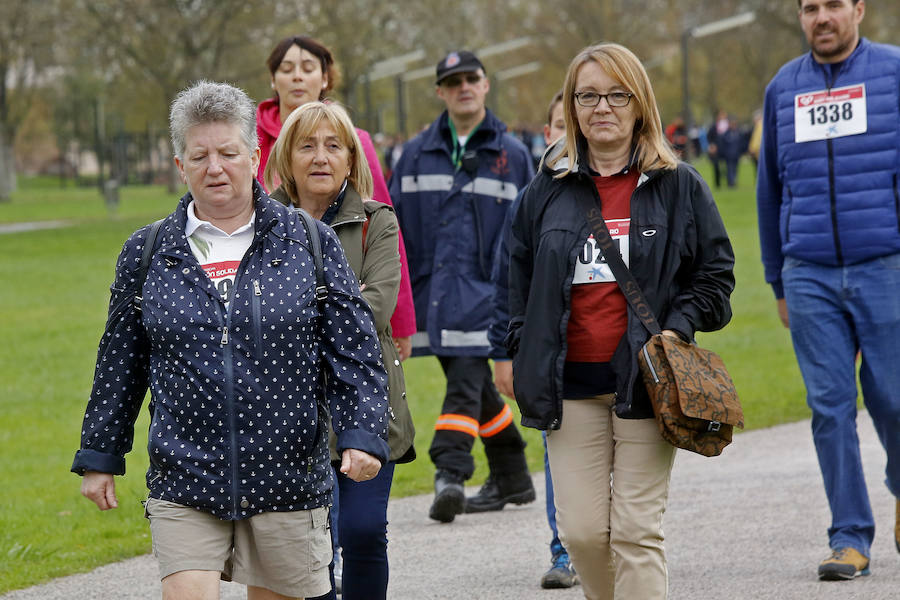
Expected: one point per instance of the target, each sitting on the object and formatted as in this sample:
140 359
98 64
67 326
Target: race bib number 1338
823 115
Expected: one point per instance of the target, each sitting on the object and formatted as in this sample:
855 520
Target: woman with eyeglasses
579 380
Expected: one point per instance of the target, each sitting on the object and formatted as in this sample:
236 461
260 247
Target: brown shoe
844 563
897 527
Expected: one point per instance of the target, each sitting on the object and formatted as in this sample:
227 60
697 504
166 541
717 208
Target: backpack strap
371 207
364 232
315 244
144 266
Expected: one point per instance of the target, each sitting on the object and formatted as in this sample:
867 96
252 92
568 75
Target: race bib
222 274
591 265
825 115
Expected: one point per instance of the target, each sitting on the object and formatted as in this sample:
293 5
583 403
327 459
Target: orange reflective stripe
498 423
451 422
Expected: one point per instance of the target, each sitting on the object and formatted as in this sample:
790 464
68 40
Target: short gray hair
211 102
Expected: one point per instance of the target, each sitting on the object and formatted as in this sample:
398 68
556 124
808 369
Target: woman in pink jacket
302 71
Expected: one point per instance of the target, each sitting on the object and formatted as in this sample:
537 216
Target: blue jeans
362 532
359 534
556 546
835 312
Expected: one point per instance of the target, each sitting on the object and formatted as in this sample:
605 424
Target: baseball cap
462 61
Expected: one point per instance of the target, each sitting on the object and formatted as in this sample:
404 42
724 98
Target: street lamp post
700 31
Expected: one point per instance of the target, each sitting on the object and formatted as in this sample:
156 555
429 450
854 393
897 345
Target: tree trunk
7 167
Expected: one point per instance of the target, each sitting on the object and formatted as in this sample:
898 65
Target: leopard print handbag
693 397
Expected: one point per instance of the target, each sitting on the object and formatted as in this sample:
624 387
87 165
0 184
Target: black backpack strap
315 244
141 273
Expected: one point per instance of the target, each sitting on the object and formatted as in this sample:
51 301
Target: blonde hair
652 150
301 124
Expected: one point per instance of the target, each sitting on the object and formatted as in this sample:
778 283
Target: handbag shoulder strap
628 285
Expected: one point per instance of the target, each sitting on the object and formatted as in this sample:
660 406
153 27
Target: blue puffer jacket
834 201
236 428
451 221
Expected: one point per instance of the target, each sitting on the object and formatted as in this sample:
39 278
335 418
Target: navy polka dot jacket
236 429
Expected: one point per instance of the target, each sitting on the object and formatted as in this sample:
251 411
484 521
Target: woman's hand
503 378
672 334
359 465
99 488
404 346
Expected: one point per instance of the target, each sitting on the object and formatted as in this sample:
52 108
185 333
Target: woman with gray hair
239 354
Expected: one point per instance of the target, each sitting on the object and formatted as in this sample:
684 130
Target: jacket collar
488 134
267 213
861 48
581 168
351 209
268 117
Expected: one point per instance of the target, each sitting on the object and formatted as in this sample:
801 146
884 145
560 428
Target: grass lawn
52 309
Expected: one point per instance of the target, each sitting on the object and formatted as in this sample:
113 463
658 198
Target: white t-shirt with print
217 252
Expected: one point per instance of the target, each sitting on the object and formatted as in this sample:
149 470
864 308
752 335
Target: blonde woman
322 168
578 378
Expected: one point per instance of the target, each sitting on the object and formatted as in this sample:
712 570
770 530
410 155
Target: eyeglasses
614 99
456 80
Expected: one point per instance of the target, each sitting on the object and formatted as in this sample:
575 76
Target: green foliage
52 311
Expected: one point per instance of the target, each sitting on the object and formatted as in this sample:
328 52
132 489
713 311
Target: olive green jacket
376 262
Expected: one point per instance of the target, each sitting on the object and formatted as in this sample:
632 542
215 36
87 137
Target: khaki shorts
286 552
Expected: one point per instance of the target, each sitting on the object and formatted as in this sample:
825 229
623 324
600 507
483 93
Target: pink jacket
268 125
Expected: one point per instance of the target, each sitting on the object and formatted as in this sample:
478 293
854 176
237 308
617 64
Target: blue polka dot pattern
237 427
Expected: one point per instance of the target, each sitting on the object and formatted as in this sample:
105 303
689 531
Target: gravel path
31 226
748 525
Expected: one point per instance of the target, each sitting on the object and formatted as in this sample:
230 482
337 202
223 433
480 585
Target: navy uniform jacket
451 218
237 427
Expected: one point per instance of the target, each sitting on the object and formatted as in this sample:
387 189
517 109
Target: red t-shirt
599 310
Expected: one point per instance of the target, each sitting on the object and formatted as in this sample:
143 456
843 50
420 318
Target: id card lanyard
459 149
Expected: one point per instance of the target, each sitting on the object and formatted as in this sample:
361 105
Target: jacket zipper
256 312
479 242
832 194
896 202
229 370
229 401
833 199
790 212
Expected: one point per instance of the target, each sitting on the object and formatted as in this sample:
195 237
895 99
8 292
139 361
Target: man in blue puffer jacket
452 188
829 223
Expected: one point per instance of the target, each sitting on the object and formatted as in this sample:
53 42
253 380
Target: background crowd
277 472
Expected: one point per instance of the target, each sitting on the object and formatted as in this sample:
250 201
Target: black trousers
473 407
717 169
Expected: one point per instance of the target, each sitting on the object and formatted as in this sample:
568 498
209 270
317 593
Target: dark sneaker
897 527
844 563
449 496
500 490
561 573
